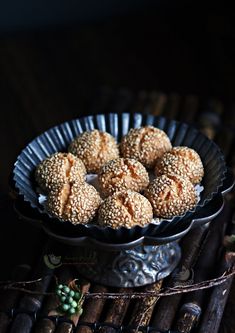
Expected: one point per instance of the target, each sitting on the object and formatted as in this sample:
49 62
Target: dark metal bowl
156 235
58 139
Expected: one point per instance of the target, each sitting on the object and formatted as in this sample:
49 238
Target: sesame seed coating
122 174
182 161
125 208
94 148
171 195
77 202
59 169
145 144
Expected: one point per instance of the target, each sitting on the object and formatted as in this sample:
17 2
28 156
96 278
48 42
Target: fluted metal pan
154 235
59 137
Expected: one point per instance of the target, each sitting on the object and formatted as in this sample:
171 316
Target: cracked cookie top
125 208
171 195
182 161
94 148
145 144
122 174
59 169
76 202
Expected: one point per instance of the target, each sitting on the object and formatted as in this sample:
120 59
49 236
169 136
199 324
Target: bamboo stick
193 302
45 326
215 308
9 299
143 309
116 311
167 306
64 328
64 275
24 322
92 310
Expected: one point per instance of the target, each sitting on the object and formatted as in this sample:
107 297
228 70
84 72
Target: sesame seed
182 161
94 148
77 203
125 208
145 144
58 169
171 195
122 174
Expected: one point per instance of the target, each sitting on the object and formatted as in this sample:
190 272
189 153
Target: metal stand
127 268
133 268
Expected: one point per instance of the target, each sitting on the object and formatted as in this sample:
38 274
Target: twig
144 308
13 283
164 292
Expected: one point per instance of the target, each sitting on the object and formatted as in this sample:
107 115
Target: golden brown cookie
122 174
145 144
125 208
77 203
59 169
94 148
182 161
171 195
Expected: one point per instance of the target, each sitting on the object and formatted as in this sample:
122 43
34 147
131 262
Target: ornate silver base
130 268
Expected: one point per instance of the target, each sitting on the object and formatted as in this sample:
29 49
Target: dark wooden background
52 75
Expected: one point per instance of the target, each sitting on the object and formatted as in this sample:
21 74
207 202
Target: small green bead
69 300
71 293
65 307
74 304
60 286
63 298
77 295
58 292
66 289
72 310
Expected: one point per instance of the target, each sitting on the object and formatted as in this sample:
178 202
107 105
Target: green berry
66 289
71 293
69 300
63 298
60 286
72 310
77 295
58 292
65 307
74 304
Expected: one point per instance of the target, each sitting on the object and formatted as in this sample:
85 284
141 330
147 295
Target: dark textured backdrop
51 71
54 59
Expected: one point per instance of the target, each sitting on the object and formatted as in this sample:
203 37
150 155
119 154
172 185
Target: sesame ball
59 169
125 209
122 174
145 144
171 195
77 202
182 161
94 148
